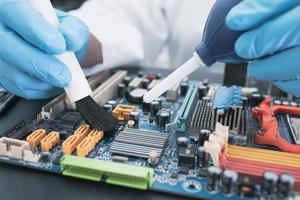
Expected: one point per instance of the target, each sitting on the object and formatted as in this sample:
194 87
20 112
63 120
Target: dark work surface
27 184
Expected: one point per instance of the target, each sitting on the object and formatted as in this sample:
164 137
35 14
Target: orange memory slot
96 135
50 141
82 131
70 144
85 146
35 138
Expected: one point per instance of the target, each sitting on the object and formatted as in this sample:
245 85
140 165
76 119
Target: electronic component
19 149
294 125
285 185
172 93
202 157
70 144
136 95
268 183
130 123
134 116
229 179
184 114
184 86
114 173
138 143
213 178
108 89
35 138
145 83
153 157
182 142
202 91
199 144
202 118
120 159
21 130
126 80
122 112
228 97
13 148
49 141
163 118
187 156
154 108
95 135
135 82
268 134
121 90
246 186
85 147
71 120
82 131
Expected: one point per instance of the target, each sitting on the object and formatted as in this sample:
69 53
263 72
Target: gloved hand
272 38
27 45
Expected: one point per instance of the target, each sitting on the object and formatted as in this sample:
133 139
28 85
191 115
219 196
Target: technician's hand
271 26
27 45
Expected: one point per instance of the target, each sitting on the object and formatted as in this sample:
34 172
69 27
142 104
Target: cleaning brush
78 90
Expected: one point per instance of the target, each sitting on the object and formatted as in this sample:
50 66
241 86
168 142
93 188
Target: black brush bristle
94 115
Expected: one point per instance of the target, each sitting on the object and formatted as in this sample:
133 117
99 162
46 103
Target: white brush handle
78 88
175 77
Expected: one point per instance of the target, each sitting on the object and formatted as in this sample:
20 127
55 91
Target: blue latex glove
271 26
27 45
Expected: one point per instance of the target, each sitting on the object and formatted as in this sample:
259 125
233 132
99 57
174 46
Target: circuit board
198 140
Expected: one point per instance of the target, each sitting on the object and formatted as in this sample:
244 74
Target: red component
269 133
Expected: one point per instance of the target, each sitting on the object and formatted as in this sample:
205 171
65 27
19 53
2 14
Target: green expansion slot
189 101
112 172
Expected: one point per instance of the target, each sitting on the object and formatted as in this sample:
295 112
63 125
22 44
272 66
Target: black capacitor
202 158
203 136
140 73
154 108
202 91
285 185
136 95
182 142
145 106
126 80
135 116
160 100
108 107
213 178
163 118
184 86
158 76
145 83
256 99
229 179
268 183
121 90
232 139
205 82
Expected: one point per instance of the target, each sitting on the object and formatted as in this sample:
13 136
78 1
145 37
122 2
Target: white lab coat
161 33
